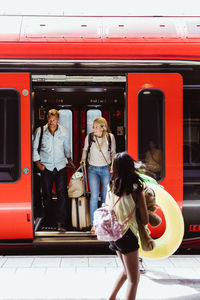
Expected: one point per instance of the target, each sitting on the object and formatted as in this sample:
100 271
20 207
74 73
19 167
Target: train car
141 73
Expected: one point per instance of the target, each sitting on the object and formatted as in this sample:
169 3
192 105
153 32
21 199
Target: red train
140 73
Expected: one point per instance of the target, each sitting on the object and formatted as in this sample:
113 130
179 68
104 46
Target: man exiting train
51 161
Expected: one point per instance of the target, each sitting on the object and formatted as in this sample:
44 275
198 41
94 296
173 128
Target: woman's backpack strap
109 141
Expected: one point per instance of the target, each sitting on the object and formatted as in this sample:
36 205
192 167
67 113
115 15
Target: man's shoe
61 228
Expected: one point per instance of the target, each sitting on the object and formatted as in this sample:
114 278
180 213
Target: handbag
106 225
76 187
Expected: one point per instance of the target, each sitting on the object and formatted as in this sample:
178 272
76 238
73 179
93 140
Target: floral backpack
106 225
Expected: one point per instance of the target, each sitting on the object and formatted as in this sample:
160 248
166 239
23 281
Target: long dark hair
124 175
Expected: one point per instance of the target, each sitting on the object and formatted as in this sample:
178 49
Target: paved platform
91 277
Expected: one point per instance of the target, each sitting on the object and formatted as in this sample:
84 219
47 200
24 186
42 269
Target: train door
191 164
155 117
79 104
15 157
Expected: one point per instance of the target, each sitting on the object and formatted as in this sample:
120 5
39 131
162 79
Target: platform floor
91 277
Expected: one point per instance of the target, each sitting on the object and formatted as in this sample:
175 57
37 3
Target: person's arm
142 207
70 161
36 155
84 153
67 150
113 147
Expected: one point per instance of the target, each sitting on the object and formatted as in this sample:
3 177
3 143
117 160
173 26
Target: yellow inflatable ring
169 242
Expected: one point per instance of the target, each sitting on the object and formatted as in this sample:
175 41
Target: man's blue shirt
54 148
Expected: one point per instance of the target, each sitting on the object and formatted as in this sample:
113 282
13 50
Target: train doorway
79 100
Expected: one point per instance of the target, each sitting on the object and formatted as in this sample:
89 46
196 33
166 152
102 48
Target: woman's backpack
106 225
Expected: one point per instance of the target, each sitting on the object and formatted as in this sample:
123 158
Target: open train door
15 157
155 113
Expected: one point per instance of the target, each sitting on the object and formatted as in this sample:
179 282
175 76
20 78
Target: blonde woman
100 149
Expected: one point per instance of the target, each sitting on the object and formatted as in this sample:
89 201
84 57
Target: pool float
170 241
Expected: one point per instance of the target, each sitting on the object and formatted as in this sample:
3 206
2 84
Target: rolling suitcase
80 207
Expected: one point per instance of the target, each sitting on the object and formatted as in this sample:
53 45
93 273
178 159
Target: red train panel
173 180
15 206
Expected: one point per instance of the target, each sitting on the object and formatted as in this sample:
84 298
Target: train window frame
162 132
18 138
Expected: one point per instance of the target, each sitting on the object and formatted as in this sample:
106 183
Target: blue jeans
97 176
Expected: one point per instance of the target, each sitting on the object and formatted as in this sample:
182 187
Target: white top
123 209
95 157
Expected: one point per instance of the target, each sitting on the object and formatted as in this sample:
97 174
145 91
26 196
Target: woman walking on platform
126 183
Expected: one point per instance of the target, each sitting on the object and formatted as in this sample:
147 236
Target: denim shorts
128 243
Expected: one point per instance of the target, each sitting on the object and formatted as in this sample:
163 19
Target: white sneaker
141 266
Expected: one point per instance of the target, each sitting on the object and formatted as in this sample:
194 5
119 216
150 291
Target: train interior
79 100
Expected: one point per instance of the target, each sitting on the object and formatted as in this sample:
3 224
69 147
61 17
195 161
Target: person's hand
82 162
71 163
40 166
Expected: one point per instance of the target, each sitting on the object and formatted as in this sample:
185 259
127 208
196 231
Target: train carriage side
143 77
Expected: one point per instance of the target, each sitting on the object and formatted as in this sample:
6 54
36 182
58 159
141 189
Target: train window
151 131
66 121
191 134
92 114
9 135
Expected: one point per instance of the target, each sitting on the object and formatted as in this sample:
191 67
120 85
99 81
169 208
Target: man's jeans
57 213
97 176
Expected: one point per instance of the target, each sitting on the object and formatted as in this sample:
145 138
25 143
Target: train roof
96 29
67 37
